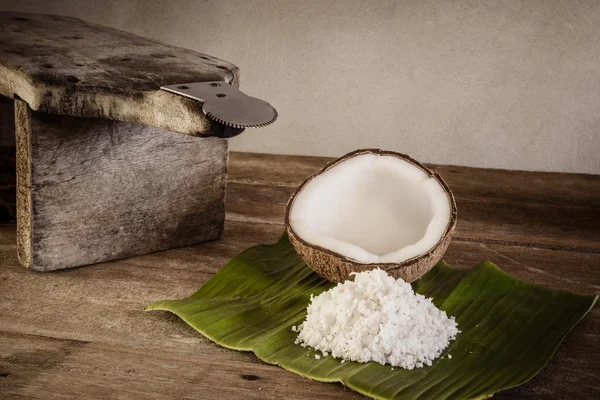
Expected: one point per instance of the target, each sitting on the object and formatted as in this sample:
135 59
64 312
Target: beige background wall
506 84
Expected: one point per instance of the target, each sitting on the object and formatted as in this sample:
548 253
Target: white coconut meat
373 209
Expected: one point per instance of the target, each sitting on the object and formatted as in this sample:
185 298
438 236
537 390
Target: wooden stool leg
24 189
92 190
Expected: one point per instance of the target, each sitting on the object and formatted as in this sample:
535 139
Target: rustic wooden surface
91 190
81 333
63 65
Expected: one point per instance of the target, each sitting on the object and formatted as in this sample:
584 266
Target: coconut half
372 209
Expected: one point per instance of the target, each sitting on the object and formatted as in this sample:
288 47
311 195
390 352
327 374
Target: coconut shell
336 267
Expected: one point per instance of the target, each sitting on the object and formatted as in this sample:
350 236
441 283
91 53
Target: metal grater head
227 105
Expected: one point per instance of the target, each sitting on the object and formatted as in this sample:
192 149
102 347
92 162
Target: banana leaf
509 328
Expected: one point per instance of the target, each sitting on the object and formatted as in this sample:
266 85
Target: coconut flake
376 318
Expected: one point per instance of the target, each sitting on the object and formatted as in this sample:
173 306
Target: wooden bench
108 165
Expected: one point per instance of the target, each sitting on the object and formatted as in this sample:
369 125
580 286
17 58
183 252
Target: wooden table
82 333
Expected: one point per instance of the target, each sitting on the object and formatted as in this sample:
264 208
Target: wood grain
51 368
63 65
545 210
83 332
92 190
24 187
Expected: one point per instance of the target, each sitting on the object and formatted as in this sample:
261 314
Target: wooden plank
547 210
38 367
524 186
63 65
103 306
92 190
111 296
273 169
489 221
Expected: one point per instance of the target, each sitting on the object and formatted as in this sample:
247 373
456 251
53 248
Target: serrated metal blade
227 105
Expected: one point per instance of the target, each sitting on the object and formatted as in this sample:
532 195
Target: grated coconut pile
376 318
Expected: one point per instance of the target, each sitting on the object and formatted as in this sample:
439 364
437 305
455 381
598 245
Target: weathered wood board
92 339
91 190
552 210
63 65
